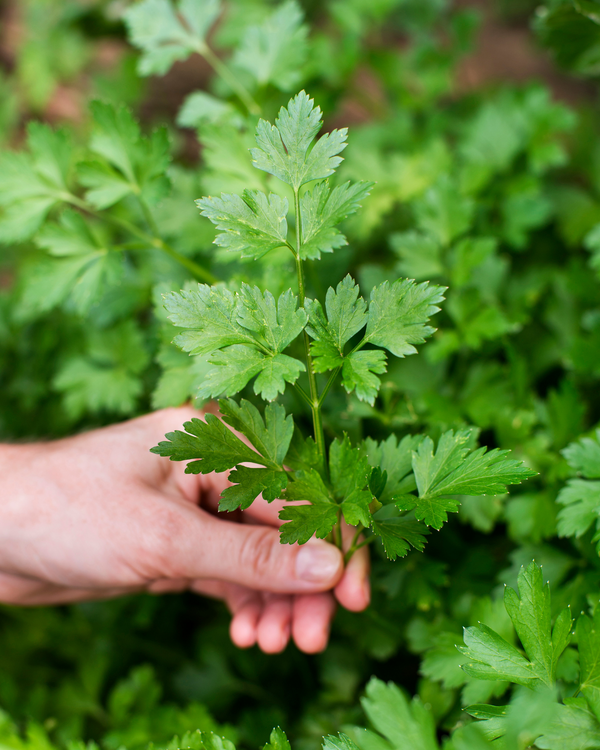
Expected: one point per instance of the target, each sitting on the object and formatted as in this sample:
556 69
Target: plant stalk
153 241
315 402
223 71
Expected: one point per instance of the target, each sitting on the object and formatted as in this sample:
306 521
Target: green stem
330 382
303 393
355 547
315 402
337 533
222 70
149 217
153 241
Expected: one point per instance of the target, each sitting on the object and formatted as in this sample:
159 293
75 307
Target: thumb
253 556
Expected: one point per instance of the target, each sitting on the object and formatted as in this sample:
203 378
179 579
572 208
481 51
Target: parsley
248 336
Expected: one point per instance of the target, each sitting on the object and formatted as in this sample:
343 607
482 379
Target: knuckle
259 554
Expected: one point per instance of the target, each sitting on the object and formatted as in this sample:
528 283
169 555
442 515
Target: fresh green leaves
347 495
83 266
450 471
33 183
275 50
253 224
167 32
395 319
209 445
283 148
271 435
402 723
245 333
398 315
490 657
581 497
129 163
588 640
322 210
398 535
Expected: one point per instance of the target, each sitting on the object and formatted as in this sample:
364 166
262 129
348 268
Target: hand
98 515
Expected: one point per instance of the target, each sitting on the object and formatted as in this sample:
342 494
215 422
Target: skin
97 516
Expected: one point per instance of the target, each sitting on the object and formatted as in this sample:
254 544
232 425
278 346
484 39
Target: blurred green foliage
495 194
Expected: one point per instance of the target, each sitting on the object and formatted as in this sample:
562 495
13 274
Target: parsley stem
330 382
223 71
337 532
355 547
315 402
153 241
303 393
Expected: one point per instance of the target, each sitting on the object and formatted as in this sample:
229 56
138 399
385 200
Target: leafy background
488 187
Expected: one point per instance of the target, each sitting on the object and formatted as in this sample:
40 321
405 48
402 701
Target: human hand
98 515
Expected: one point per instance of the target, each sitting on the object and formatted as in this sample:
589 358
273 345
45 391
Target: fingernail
317 563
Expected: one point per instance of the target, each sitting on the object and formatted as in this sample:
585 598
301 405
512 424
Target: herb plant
394 489
492 192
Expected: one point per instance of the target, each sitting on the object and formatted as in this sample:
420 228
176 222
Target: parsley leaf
166 32
443 212
350 472
588 641
253 224
275 325
399 535
210 315
277 741
270 435
283 148
308 486
305 521
403 724
276 371
398 314
249 327
212 443
234 367
451 472
322 209
33 183
573 727
359 372
346 315
88 267
341 742
491 657
249 484
581 497
275 50
134 164
584 456
395 458
107 375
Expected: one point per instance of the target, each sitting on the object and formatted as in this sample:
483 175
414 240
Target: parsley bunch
392 490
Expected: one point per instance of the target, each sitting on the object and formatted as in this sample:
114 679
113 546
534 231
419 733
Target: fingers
311 622
244 623
203 546
275 625
269 620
